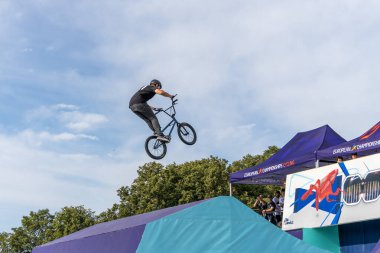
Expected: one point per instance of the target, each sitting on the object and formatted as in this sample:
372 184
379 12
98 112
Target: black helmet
156 82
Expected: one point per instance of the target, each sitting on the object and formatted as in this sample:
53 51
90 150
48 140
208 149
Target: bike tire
186 133
156 149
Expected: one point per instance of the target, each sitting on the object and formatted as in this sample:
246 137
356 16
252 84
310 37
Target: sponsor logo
269 169
357 147
288 221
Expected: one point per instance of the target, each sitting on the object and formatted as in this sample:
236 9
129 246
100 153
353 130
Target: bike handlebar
174 101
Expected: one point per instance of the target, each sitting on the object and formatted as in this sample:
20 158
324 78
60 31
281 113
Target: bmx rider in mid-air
138 105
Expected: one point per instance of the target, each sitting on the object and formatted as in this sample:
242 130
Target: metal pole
317 164
230 190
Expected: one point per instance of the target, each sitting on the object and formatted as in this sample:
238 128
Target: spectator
354 156
281 204
339 159
260 203
277 210
269 212
282 199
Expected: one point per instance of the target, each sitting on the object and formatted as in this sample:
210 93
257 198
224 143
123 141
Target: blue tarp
217 225
367 143
221 225
297 155
359 237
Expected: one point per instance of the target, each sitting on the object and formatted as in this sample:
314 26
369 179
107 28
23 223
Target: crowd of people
340 158
271 208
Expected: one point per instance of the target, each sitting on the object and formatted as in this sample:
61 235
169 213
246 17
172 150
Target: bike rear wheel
156 149
186 133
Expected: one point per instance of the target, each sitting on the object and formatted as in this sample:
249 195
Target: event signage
326 196
356 147
269 169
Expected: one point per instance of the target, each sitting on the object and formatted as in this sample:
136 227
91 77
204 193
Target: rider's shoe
163 138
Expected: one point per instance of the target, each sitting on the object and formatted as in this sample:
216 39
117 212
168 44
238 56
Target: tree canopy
156 187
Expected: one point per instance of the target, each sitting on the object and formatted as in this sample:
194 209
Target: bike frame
155 147
174 121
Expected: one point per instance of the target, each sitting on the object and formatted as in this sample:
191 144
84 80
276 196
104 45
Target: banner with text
334 194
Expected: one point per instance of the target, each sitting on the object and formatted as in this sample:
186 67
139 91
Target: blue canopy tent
366 144
297 155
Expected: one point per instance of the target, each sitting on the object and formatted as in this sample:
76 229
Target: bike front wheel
156 149
186 133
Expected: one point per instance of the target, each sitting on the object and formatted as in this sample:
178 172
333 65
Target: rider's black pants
144 111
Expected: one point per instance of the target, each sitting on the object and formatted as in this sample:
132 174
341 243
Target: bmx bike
156 148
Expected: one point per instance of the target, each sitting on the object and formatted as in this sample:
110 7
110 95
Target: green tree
155 187
120 210
248 193
36 229
158 187
4 243
72 219
144 194
110 214
202 179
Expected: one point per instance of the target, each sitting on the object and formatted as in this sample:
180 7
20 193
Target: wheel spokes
187 134
157 148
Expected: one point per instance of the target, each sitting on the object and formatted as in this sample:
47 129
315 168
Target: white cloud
82 121
69 115
232 132
51 111
51 48
37 138
44 179
65 107
296 64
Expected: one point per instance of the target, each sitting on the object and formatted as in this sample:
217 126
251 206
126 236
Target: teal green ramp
324 237
221 224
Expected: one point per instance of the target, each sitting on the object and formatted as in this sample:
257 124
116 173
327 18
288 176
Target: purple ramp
377 248
118 236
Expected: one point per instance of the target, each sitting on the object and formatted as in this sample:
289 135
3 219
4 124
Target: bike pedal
163 139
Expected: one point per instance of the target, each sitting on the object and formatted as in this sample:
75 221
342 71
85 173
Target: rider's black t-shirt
143 95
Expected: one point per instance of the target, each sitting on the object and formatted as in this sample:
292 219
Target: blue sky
248 74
